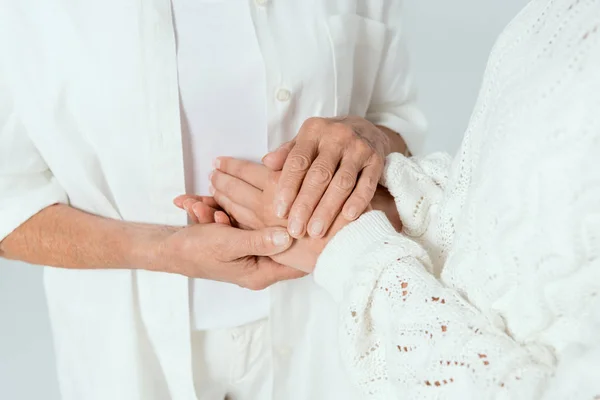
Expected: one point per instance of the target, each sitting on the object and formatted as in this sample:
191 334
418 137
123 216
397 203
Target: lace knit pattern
492 290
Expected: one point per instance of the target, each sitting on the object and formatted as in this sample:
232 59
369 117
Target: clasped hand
315 184
243 194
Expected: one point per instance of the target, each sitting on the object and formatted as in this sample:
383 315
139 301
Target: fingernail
351 213
217 163
316 228
295 227
211 189
281 209
280 238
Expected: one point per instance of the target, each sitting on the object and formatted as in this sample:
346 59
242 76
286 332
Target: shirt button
283 95
261 2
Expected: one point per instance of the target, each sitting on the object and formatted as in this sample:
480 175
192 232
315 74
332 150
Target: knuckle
361 200
301 209
257 242
363 147
299 162
365 195
319 174
377 159
346 181
312 125
371 184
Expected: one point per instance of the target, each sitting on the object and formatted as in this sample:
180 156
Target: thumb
276 159
262 242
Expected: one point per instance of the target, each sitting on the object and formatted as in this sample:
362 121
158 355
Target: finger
262 242
252 173
314 186
179 200
364 191
333 200
237 190
276 159
240 214
268 272
222 218
204 214
187 206
294 170
209 201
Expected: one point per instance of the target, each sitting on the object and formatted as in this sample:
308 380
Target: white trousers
233 364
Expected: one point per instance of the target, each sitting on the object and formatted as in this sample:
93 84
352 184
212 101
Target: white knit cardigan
493 288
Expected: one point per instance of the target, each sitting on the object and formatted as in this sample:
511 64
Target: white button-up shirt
90 116
223 113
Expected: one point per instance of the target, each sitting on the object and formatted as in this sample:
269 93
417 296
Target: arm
61 236
403 332
417 185
37 226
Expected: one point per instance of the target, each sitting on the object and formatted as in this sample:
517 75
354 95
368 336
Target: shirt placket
164 298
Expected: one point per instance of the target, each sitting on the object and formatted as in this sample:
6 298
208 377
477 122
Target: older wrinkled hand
333 165
246 190
243 192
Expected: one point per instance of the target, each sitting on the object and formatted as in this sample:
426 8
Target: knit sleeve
417 185
404 334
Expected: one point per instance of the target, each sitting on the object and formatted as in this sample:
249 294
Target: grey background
449 42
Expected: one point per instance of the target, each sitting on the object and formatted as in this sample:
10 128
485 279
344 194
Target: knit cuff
338 261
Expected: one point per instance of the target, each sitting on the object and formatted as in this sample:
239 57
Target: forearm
397 143
62 236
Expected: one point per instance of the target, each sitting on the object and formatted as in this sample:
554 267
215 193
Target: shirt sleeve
26 184
393 103
404 334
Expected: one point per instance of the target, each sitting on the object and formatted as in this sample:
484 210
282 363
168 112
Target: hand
223 253
251 204
204 209
333 163
246 190
384 201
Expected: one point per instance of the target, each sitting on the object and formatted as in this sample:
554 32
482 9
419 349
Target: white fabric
221 74
493 289
90 115
233 363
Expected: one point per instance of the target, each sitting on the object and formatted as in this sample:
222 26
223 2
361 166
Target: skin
245 191
62 236
333 165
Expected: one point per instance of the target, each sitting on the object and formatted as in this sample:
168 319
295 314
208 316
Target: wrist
396 142
149 247
383 201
